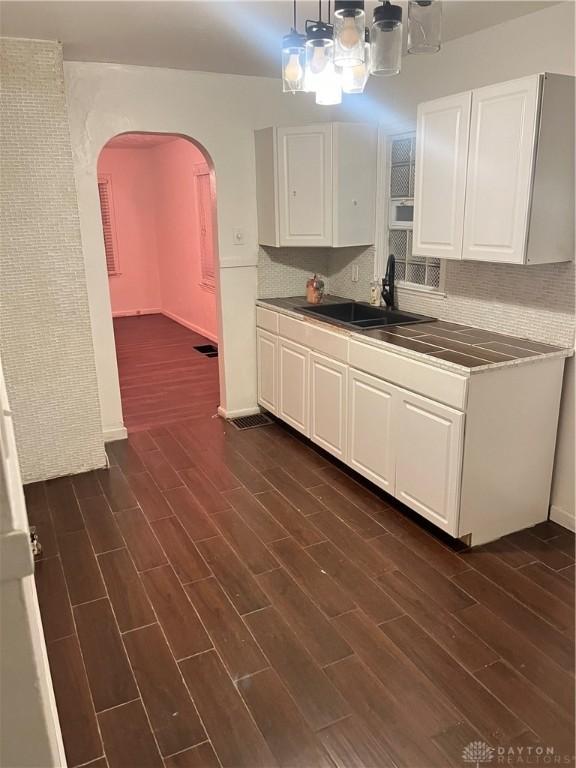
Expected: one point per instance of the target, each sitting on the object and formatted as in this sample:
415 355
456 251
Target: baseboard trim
136 312
563 518
118 433
190 326
236 414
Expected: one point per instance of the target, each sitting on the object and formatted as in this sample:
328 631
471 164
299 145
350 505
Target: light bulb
349 36
293 71
329 88
319 60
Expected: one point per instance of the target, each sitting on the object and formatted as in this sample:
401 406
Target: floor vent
250 422
209 350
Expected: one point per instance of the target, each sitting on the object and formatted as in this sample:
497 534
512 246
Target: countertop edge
411 354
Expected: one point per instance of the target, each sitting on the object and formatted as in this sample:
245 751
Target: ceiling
229 36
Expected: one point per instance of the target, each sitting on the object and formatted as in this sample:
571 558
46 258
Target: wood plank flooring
163 379
225 598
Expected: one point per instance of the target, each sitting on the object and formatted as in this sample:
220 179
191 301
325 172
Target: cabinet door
328 404
441 155
305 185
355 161
370 428
267 346
499 180
429 439
293 385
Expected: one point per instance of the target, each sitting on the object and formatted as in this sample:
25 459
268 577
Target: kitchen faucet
388 282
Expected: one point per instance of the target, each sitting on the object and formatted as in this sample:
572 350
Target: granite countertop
447 345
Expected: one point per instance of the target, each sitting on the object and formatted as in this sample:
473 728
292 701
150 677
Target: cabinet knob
293 193
354 202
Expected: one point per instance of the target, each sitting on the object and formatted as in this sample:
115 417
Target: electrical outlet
355 273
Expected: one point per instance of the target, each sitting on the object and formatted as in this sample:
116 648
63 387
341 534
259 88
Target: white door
328 382
441 154
293 385
267 346
501 157
305 185
429 444
370 428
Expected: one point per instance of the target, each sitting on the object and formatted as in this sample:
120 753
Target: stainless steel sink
357 315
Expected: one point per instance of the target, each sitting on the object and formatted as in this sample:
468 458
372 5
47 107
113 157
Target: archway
157 197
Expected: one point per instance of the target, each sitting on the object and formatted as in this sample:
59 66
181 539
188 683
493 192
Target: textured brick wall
45 334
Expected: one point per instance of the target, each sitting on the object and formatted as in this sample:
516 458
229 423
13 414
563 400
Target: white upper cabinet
500 163
304 185
495 179
441 176
316 185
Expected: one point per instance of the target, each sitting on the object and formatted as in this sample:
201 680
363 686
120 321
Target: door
370 428
305 185
501 157
441 156
328 382
429 443
267 346
293 385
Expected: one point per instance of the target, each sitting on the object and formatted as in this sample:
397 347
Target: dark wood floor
234 598
225 598
163 379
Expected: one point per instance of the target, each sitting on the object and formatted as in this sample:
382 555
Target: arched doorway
158 205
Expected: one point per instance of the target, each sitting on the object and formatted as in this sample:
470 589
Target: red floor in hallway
163 379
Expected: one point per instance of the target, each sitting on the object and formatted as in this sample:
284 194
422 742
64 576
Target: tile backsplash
535 302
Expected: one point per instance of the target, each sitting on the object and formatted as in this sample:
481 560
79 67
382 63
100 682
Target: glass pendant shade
349 23
293 62
329 87
386 40
424 26
319 54
354 79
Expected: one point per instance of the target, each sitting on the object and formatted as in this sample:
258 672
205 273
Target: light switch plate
238 237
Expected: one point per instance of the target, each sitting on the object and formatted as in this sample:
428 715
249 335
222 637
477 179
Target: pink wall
137 287
184 298
156 226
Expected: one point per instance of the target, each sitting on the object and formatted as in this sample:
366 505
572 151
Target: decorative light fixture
355 78
331 59
386 40
319 54
349 23
424 26
293 59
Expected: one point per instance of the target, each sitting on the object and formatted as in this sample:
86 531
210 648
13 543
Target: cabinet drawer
267 319
330 343
443 386
292 329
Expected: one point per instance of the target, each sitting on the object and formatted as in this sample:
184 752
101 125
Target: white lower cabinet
328 401
370 428
429 442
267 349
293 399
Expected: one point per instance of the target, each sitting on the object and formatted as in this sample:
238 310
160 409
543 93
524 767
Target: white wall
221 112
